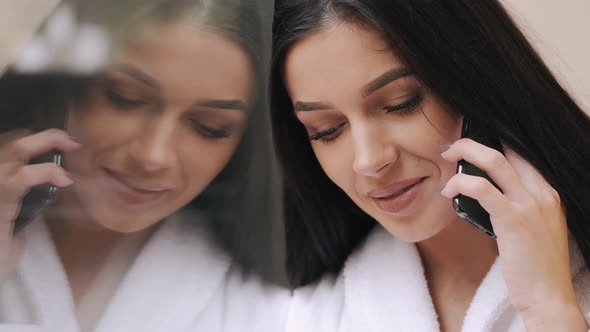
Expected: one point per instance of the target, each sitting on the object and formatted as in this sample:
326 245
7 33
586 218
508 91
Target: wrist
555 317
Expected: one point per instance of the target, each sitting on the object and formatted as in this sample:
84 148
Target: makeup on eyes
124 99
407 106
322 125
121 93
213 123
209 131
400 109
128 88
328 134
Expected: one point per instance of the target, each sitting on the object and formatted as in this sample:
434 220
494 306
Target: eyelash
326 135
407 107
401 109
209 132
121 101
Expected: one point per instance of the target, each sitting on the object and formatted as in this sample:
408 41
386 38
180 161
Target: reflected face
375 129
158 126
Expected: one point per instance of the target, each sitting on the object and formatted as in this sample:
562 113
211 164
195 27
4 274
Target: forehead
186 54
340 54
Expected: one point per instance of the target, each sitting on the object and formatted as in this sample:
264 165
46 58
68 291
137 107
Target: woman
368 102
160 149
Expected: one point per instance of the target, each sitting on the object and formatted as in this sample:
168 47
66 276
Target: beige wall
560 31
18 21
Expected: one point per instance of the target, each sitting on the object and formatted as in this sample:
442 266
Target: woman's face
375 129
159 126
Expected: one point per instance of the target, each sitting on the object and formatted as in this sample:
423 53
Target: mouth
397 197
132 192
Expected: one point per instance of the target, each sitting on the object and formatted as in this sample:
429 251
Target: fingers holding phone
18 177
515 189
529 222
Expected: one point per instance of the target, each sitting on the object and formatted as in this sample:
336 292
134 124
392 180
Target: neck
78 238
460 252
84 247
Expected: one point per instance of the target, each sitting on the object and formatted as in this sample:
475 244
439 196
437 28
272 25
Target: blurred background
559 30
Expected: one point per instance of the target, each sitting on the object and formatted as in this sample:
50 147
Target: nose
154 147
374 151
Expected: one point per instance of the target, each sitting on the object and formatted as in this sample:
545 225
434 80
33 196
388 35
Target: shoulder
339 302
318 306
322 305
582 288
252 303
189 232
581 277
237 299
331 288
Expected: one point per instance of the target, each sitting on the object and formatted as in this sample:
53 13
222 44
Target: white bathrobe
382 288
180 281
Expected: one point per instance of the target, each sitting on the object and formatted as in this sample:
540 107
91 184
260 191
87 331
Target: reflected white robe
180 281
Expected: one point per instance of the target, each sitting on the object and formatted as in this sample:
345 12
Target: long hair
473 57
241 203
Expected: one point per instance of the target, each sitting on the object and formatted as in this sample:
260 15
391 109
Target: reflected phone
467 207
38 198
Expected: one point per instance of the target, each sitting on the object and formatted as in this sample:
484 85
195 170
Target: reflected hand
17 178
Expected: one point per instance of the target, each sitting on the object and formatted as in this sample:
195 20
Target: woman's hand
17 178
531 230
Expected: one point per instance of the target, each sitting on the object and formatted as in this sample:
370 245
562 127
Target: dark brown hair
478 63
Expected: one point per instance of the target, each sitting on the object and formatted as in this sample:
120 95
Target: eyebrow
224 104
137 74
302 106
376 84
386 78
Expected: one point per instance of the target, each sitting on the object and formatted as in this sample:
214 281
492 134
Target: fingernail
66 182
443 192
444 148
75 139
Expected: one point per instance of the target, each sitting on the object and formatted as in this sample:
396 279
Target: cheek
199 169
429 131
95 123
447 169
336 159
446 124
445 129
97 129
82 127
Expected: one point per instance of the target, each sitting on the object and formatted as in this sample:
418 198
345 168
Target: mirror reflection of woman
368 101
159 152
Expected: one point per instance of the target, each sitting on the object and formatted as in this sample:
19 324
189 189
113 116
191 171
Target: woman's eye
406 107
119 99
327 135
210 132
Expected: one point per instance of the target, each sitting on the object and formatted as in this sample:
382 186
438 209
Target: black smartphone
37 102
37 199
467 207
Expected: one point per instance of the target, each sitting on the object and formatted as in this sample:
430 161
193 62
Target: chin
124 226
109 219
415 231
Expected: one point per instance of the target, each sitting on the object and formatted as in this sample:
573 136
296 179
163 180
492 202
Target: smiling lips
397 197
133 193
